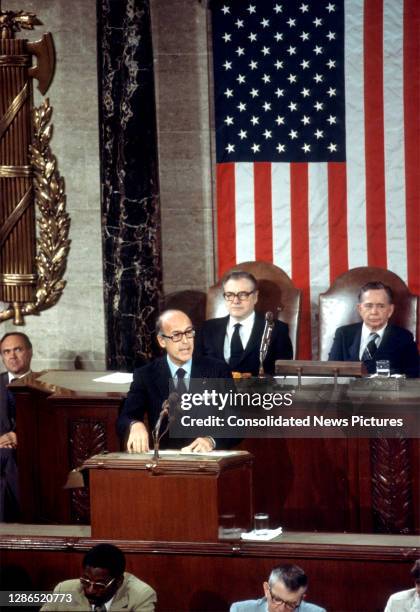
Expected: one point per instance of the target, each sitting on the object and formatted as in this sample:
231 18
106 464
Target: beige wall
75 326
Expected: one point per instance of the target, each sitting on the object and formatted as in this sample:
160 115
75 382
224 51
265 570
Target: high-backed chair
277 293
191 301
337 306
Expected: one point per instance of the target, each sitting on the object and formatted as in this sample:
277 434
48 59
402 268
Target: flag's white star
304 36
306 148
229 120
291 50
265 50
291 22
278 36
318 78
281 148
331 119
230 148
279 92
305 92
267 106
292 78
242 134
228 93
317 22
278 8
279 120
278 64
330 7
252 37
318 106
293 134
255 148
255 120
304 8
239 23
332 92
265 23
241 106
331 63
318 50
227 37
240 51
266 78
253 65
267 134
241 79
331 35
319 134
292 106
305 64
251 9
305 120
254 92
225 10
227 65
332 147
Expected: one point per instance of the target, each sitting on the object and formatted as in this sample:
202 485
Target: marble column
129 180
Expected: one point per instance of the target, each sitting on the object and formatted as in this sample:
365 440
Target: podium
179 498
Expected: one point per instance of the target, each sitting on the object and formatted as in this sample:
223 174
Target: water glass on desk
261 523
383 368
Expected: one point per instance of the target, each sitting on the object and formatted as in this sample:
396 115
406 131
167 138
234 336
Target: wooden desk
62 418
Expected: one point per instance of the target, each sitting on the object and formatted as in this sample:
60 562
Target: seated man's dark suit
8 468
211 339
151 387
397 346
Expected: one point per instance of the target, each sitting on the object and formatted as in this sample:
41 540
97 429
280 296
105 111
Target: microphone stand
265 341
155 433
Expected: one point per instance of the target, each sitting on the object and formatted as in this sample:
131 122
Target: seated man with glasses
153 383
284 591
236 338
104 586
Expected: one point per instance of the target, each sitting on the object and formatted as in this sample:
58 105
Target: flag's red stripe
263 212
412 139
374 133
337 219
300 251
226 228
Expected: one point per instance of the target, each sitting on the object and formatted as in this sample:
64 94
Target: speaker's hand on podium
8 440
138 439
200 445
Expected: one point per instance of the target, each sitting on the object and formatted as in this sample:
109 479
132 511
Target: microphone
169 407
265 340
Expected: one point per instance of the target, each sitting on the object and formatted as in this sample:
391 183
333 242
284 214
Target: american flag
317 110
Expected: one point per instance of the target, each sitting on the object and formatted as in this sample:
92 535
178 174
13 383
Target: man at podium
153 382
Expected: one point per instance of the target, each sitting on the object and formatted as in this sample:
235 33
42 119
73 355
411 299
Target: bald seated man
152 384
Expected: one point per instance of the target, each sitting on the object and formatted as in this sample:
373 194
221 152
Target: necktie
100 608
371 347
181 387
236 348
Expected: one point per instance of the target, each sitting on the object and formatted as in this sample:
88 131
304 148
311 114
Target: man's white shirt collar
174 368
14 377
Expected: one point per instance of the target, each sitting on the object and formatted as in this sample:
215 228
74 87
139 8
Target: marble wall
74 328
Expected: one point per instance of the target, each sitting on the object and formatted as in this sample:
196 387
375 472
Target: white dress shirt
244 332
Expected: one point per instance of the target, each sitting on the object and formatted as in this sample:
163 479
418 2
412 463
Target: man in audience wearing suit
175 371
375 338
285 590
16 353
236 338
104 586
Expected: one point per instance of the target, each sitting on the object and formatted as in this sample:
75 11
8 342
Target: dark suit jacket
397 346
7 406
9 507
211 339
151 387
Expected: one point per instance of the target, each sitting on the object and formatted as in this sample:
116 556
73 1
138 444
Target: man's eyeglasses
289 605
241 295
100 586
177 336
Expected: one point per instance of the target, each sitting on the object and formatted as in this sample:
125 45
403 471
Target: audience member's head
286 587
415 572
103 573
175 334
375 304
16 353
240 290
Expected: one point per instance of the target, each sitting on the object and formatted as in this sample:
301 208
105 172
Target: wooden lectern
180 497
